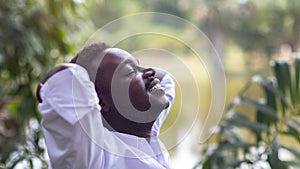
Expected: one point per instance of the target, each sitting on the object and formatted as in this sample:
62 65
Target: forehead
117 56
114 58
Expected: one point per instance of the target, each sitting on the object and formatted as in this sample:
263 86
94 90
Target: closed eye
130 68
131 73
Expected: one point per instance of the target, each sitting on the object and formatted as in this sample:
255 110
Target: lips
155 88
154 84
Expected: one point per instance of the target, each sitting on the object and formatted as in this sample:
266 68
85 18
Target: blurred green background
35 35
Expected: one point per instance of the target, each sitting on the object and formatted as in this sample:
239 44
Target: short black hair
91 55
90 50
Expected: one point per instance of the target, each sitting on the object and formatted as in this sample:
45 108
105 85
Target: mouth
154 84
155 88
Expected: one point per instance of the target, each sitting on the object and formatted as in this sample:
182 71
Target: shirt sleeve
168 84
71 94
71 118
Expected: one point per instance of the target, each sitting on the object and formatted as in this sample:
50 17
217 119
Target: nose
147 73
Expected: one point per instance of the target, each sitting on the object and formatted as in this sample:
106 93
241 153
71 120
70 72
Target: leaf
270 94
273 158
229 146
286 71
297 71
198 164
265 109
277 68
270 90
34 42
207 164
261 118
231 135
239 120
236 163
292 164
282 73
293 151
293 131
53 7
297 122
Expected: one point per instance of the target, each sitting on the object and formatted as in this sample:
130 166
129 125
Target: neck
116 122
140 129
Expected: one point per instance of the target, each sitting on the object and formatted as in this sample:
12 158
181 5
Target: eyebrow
136 60
131 61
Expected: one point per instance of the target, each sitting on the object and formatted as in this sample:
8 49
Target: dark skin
139 79
108 67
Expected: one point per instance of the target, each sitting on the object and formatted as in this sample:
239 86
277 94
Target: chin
167 105
163 104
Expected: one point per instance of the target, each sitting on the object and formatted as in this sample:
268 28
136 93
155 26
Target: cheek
138 95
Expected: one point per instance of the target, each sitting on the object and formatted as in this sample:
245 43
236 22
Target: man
133 101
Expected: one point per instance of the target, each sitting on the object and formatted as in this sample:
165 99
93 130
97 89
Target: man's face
131 86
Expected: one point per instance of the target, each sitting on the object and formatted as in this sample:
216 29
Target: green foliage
266 131
169 6
254 25
34 36
265 26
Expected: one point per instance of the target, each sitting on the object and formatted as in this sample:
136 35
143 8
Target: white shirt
74 133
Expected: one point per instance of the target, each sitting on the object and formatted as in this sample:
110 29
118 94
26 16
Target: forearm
71 118
48 75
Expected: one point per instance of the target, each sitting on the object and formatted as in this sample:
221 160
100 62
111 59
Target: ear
105 108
